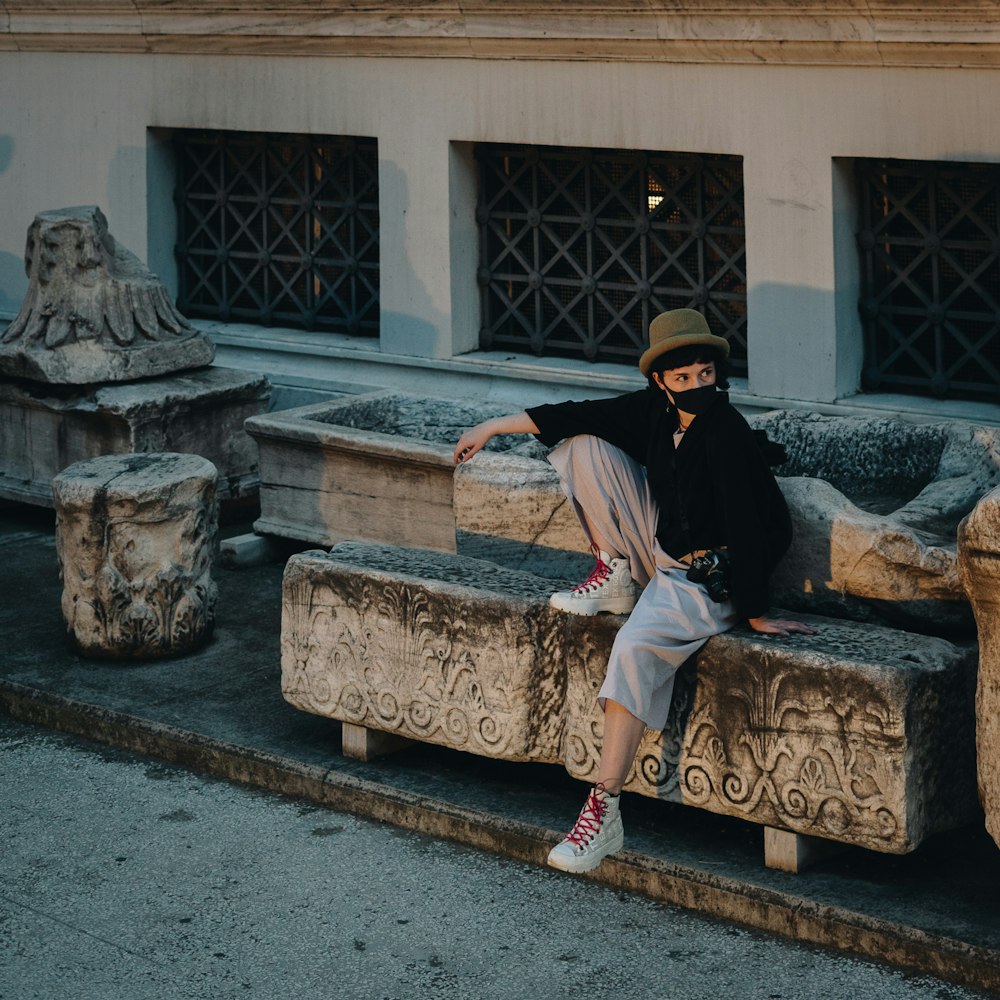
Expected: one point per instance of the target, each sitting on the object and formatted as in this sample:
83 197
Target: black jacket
717 476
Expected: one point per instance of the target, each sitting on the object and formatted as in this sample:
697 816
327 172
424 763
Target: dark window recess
930 252
278 229
581 248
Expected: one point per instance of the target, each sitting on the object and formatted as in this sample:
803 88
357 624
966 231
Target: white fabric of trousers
673 617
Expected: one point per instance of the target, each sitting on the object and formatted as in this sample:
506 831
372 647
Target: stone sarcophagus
861 734
875 503
377 467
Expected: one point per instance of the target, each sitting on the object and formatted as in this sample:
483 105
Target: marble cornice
808 32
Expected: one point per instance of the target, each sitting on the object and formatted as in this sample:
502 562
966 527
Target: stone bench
861 734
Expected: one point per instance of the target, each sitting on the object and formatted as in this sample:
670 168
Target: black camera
712 570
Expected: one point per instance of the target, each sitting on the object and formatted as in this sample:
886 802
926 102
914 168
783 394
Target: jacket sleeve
757 525
621 420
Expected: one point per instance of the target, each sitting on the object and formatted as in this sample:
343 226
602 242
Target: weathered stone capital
93 312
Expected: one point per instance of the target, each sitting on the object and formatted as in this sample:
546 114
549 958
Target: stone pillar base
44 429
136 537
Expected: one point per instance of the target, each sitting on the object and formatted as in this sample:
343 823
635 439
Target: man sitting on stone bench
679 503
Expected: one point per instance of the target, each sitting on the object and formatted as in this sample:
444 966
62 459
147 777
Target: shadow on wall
13 284
6 152
422 328
125 197
13 280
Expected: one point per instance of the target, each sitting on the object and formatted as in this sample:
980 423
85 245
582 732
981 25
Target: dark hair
692 354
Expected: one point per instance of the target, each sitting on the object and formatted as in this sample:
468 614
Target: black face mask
695 401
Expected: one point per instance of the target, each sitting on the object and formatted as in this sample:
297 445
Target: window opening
278 229
930 251
581 248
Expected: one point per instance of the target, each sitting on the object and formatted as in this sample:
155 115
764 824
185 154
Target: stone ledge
861 734
809 33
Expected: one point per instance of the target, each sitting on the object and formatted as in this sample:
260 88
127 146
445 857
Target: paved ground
125 878
220 711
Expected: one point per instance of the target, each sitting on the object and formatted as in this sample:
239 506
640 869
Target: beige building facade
92 93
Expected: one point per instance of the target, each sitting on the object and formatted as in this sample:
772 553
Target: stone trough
376 466
876 506
876 503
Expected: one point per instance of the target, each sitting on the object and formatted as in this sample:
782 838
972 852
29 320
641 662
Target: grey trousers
673 617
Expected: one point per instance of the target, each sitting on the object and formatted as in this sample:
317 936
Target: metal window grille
278 229
930 251
581 248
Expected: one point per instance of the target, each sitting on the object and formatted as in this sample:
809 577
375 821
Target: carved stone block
45 429
93 313
859 734
876 506
979 558
136 538
517 498
449 651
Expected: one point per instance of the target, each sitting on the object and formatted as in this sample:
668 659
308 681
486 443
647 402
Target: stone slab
516 498
979 558
860 734
44 429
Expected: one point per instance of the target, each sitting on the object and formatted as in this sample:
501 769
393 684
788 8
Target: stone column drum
136 536
979 562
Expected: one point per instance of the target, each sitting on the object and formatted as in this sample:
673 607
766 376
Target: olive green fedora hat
678 328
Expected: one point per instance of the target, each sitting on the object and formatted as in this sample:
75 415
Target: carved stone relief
979 558
860 734
93 312
440 663
135 535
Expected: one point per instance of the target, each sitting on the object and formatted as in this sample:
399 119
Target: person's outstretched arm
476 438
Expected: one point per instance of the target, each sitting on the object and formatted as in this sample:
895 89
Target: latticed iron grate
930 249
581 248
278 229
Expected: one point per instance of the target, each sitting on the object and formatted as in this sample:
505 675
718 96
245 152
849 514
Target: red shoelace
588 824
598 575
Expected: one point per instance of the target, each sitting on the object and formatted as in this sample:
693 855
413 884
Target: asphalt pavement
126 878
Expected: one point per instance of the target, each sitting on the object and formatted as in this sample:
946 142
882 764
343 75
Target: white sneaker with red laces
598 833
608 588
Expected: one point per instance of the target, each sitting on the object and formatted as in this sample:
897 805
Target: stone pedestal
979 559
44 429
136 536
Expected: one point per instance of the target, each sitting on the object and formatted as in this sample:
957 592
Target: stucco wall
76 129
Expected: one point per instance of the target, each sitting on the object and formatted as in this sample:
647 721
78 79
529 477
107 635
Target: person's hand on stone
473 441
780 626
